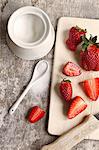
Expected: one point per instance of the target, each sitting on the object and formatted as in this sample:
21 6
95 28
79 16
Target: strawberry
36 114
91 88
77 106
97 80
66 89
75 34
97 60
71 45
89 55
71 69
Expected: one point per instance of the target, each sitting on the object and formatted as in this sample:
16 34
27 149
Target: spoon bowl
40 70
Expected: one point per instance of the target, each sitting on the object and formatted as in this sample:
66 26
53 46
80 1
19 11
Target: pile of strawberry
91 88
89 60
89 55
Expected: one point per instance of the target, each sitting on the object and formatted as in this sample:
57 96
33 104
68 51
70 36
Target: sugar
28 28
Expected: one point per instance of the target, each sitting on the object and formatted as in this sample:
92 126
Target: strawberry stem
65 80
86 42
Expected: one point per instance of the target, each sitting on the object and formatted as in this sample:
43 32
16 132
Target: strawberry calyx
91 41
80 29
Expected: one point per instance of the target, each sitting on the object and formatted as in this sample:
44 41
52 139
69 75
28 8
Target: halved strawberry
91 88
36 114
77 106
66 89
71 69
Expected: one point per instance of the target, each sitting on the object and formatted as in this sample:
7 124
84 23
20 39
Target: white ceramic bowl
30 33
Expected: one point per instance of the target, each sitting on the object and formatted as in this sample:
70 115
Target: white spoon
39 72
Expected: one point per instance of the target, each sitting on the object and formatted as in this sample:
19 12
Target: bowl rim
29 10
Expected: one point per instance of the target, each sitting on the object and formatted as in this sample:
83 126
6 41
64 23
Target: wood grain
75 135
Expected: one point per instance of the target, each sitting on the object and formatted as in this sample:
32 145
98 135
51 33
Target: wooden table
15 132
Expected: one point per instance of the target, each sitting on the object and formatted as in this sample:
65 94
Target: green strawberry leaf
94 39
97 44
84 46
90 37
86 41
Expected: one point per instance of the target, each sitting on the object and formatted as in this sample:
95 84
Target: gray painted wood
15 132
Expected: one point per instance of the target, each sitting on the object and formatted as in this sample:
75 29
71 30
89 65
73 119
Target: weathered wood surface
15 132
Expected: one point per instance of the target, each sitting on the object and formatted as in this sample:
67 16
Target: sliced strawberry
66 89
91 88
36 114
77 106
71 69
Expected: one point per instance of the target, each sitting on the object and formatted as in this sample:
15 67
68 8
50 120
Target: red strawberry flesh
36 114
71 69
77 106
91 88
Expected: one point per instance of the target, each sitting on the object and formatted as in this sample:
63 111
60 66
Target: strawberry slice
71 69
91 88
66 89
77 106
36 114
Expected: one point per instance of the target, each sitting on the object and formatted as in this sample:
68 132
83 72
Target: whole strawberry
66 89
75 34
97 60
89 55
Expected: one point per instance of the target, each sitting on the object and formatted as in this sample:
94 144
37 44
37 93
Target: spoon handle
16 104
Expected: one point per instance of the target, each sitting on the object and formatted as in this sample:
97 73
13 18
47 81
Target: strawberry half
91 88
75 34
36 114
66 89
71 69
77 106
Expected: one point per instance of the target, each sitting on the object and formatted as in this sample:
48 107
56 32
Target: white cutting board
58 122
